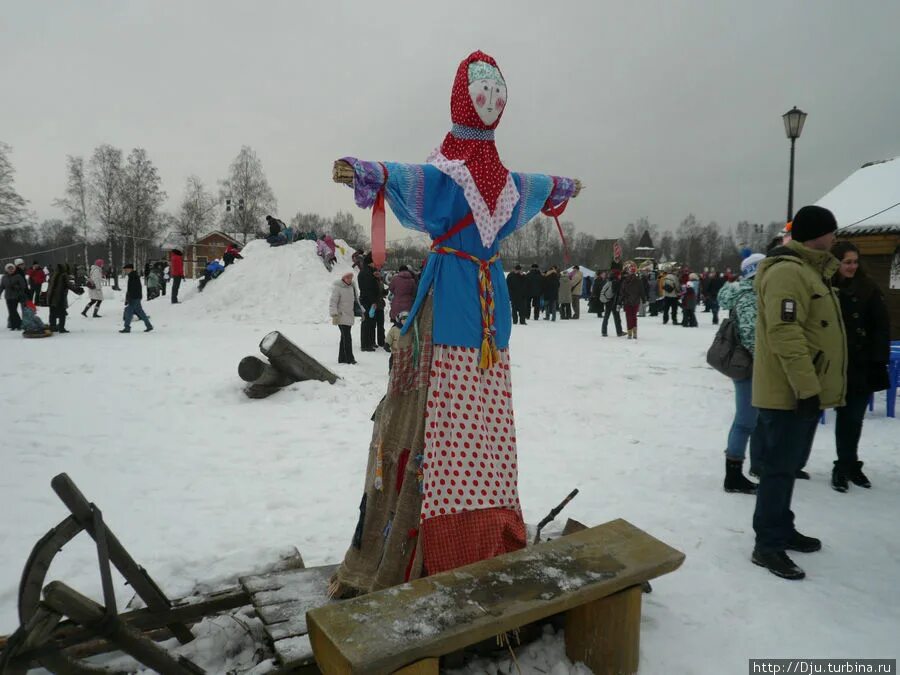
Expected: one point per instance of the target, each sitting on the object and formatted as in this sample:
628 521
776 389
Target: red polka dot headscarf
479 155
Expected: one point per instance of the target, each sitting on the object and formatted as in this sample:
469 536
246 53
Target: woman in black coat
868 350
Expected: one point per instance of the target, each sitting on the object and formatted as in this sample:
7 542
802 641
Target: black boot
734 478
778 563
801 475
97 311
839 479
84 311
857 477
803 544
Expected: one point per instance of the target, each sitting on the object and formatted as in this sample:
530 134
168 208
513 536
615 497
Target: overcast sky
662 108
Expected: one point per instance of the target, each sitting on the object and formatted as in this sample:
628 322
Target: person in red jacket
176 272
232 253
36 278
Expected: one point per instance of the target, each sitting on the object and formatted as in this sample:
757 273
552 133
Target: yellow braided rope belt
490 355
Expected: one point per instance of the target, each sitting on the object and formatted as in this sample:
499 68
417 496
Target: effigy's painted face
489 98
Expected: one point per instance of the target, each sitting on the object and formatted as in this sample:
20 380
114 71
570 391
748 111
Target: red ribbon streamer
555 212
379 251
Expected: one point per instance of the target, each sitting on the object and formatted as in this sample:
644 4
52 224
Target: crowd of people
370 293
637 292
27 288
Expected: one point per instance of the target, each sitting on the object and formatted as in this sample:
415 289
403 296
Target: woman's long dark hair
839 250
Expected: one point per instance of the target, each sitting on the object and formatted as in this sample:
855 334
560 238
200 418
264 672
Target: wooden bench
593 576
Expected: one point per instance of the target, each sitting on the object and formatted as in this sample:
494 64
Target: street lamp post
793 126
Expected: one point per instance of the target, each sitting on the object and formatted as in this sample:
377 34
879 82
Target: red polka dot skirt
470 506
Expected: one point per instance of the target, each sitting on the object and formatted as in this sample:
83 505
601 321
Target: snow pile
281 283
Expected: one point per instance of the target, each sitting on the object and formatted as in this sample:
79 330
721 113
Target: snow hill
274 284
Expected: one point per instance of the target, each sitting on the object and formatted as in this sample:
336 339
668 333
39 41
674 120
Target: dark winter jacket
274 227
61 282
551 286
535 283
713 286
133 292
689 301
517 284
14 287
631 292
868 333
403 287
369 287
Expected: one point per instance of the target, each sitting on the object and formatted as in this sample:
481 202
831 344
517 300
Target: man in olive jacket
799 369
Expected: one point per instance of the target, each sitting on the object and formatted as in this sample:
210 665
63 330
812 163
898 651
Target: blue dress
427 200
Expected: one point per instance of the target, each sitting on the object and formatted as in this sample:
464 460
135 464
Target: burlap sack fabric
386 548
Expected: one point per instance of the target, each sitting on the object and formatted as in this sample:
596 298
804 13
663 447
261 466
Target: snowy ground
201 483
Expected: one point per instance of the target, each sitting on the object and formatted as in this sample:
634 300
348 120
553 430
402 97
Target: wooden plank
294 651
301 581
429 617
423 667
605 634
282 600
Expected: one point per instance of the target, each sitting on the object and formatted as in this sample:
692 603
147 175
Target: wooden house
197 254
867 208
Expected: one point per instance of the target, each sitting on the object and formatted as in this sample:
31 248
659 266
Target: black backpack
727 355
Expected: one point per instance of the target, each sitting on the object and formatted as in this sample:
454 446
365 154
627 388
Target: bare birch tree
13 210
142 196
75 203
196 215
247 181
105 175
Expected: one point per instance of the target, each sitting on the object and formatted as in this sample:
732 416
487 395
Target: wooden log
264 380
254 370
291 360
605 634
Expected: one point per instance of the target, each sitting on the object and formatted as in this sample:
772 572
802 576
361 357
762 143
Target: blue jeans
786 439
744 427
132 309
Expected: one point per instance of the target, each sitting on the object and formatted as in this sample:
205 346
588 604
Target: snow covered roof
176 240
868 201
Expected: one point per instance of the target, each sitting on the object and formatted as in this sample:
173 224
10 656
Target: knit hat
750 264
811 222
10 267
128 266
99 262
19 261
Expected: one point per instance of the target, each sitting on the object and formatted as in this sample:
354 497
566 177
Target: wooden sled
59 627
